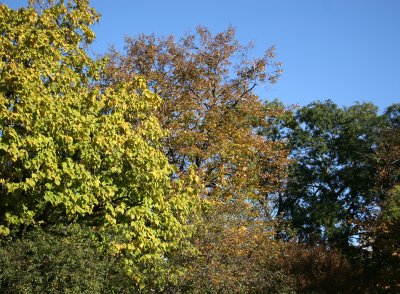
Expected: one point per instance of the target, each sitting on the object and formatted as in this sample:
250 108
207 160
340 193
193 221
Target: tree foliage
384 231
329 195
74 150
213 117
210 108
61 259
102 162
341 190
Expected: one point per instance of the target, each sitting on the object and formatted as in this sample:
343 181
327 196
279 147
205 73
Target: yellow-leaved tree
74 150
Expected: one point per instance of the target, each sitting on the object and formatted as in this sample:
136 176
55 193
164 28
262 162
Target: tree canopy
160 169
329 191
74 150
213 116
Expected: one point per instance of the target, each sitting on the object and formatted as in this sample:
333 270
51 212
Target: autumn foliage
214 120
159 169
72 150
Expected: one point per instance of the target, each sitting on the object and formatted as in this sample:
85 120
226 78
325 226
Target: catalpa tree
74 150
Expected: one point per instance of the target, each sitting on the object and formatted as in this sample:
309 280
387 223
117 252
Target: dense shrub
60 259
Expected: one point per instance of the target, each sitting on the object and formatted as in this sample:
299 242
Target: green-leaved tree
72 150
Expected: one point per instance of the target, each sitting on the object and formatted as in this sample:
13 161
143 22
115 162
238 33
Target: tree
340 196
209 107
384 230
213 116
73 150
329 197
387 153
385 244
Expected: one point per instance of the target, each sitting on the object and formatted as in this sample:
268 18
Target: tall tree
74 150
329 195
209 106
213 117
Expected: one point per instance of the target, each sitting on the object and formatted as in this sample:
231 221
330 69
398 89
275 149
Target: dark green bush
60 259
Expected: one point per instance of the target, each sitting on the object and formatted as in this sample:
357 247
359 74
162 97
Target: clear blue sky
344 50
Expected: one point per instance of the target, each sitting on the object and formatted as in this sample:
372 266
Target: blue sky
344 50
